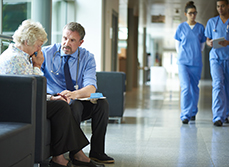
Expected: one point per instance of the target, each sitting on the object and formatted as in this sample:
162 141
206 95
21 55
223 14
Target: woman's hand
38 60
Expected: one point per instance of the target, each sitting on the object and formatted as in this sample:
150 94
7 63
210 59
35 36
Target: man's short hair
74 26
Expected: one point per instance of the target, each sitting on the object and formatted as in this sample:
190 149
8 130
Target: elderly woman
25 58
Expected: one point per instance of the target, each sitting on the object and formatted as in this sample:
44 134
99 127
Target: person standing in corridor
218 27
190 41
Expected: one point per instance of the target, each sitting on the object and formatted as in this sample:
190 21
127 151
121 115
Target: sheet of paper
94 96
88 98
216 44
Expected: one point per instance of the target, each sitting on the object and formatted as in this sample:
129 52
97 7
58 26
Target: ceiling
173 10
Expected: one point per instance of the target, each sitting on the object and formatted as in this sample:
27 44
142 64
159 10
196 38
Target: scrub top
220 28
190 44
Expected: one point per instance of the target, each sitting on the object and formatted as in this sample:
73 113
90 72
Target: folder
216 44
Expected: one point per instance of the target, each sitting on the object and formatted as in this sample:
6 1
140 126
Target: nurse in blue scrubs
190 41
218 27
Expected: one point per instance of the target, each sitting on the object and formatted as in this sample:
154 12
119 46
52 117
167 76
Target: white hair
29 32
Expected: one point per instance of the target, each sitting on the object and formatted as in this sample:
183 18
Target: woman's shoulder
181 25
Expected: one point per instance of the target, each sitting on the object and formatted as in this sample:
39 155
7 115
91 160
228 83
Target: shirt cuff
37 71
48 97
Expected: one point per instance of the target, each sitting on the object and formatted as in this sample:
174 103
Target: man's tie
68 78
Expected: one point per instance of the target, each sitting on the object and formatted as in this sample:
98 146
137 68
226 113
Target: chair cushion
16 137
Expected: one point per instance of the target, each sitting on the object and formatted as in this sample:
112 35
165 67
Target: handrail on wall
6 37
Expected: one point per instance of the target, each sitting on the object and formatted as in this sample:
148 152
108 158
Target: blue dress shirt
53 68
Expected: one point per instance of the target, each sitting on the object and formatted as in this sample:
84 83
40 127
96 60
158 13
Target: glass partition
13 13
5 41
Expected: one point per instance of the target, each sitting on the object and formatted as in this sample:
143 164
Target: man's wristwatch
48 97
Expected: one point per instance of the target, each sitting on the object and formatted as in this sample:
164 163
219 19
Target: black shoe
103 158
84 164
54 164
87 164
218 123
193 118
226 120
185 121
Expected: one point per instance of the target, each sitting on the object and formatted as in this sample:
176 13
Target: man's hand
69 94
38 60
61 97
80 93
209 42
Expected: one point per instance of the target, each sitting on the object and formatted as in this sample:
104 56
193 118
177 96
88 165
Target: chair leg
36 165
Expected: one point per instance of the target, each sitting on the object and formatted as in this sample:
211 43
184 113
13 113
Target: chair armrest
41 103
43 128
17 99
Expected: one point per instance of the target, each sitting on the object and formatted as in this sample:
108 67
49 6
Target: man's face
222 7
70 41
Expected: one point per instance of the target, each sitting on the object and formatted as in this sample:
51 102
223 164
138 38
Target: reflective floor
152 134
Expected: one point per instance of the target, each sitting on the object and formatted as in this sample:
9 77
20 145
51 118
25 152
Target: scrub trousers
66 134
189 79
220 89
98 112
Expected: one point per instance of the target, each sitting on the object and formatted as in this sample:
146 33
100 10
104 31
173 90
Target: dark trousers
83 110
66 134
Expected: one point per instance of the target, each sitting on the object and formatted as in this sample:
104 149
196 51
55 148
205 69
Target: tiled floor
152 134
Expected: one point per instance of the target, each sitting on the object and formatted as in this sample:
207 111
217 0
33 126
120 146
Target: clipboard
216 44
94 96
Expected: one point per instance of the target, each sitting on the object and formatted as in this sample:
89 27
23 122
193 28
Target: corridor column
132 48
42 12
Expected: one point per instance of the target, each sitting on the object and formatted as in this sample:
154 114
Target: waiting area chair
17 120
15 95
112 86
43 127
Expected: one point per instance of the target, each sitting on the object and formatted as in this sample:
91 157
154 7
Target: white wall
97 40
89 15
110 5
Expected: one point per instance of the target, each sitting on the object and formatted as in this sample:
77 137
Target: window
13 13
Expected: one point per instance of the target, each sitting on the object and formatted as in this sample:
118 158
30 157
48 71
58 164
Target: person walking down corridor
218 27
190 41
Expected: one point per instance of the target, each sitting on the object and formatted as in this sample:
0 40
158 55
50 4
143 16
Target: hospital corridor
150 44
152 135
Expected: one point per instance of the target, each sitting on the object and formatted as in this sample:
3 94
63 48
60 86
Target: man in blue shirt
218 27
82 67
